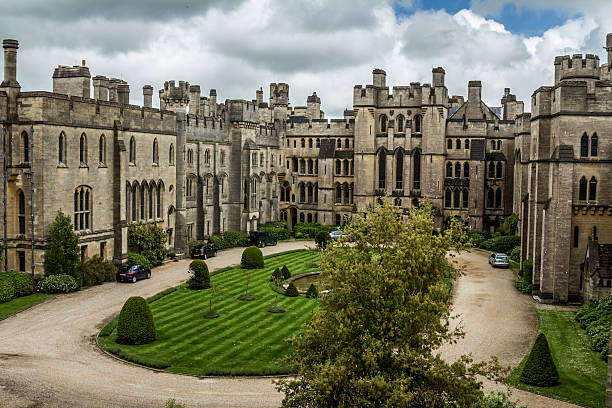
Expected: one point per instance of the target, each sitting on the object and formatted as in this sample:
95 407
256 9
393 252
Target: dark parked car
499 260
261 238
131 273
203 252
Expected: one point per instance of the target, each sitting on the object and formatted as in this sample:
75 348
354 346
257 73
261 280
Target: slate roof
343 154
495 156
327 149
477 149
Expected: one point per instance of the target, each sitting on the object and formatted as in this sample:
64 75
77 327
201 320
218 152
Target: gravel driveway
48 356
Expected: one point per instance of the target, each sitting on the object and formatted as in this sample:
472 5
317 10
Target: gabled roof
600 259
473 112
477 149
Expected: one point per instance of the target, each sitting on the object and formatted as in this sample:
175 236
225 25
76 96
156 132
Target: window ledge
102 166
171 164
155 165
83 166
61 165
131 164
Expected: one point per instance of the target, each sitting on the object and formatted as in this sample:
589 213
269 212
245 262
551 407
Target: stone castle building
198 167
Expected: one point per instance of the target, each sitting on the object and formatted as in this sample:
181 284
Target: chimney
112 89
194 99
10 63
474 91
100 84
608 48
123 93
438 76
259 96
147 92
213 102
379 78
313 106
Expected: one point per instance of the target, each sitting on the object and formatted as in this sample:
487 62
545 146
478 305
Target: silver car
499 259
336 235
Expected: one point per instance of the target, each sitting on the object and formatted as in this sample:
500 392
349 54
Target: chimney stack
438 76
100 84
147 92
213 102
123 93
10 63
194 99
474 91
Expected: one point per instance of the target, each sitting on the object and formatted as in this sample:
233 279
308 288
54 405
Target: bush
138 259
312 292
594 317
252 258
200 278
7 291
539 369
308 229
503 244
193 244
278 229
322 238
277 275
513 223
523 284
21 283
63 255
476 239
497 399
135 324
285 272
515 254
291 290
148 240
95 271
235 239
217 242
58 284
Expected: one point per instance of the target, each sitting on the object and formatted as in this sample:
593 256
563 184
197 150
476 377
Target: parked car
131 273
336 235
203 252
261 238
499 259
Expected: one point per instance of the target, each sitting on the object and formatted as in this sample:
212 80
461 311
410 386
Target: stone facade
563 191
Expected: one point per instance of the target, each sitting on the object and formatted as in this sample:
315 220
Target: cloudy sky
326 46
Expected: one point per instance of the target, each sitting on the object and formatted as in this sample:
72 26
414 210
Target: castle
197 167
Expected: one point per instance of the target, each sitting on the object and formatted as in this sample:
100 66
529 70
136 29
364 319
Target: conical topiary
276 275
135 324
285 272
540 368
291 290
312 291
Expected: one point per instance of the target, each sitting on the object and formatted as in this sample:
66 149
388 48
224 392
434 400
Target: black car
131 273
203 252
261 238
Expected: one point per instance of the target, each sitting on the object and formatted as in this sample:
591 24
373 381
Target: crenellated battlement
577 67
304 126
241 110
173 97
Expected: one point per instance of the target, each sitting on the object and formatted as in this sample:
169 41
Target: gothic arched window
582 189
594 143
416 176
593 189
466 169
382 169
82 208
399 170
584 145
449 169
383 123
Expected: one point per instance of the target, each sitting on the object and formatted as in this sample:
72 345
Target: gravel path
48 356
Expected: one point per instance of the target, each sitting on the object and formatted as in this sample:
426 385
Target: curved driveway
48 356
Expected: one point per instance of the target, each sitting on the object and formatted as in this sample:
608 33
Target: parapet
243 111
173 97
577 67
72 81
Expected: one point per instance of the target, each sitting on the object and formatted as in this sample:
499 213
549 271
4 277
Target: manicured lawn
582 372
244 340
17 305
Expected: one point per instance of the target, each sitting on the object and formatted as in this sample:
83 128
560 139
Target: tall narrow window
594 143
582 190
593 189
465 202
466 169
576 237
498 198
338 194
492 144
416 176
339 143
302 192
448 198
458 144
338 167
449 169
383 123
467 144
132 150
417 124
61 143
82 208
490 198
158 201
142 202
491 170
310 167
134 200
303 142
449 144
346 194
171 154
382 169
102 150
25 147
400 123
151 202
498 170
345 166
303 166
584 145
347 143
456 198
21 216
83 149
399 170
499 145
457 169
310 193
155 152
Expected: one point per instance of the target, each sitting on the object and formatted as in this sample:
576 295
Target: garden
245 339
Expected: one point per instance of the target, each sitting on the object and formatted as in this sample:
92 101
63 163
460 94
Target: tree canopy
62 255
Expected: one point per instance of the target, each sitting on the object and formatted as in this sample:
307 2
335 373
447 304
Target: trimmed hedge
138 259
15 284
503 244
200 277
312 292
309 229
252 258
58 284
594 317
278 229
291 290
96 271
540 369
285 272
230 239
135 324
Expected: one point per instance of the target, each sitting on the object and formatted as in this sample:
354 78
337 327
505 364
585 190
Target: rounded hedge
540 368
200 277
291 290
7 291
58 284
322 238
252 258
285 272
312 292
135 324
15 284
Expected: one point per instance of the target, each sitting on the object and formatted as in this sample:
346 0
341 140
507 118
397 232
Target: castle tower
9 83
174 98
72 81
313 103
147 93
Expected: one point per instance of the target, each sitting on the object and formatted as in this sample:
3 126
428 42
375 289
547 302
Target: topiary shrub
539 369
96 271
138 259
312 292
200 278
58 284
291 290
276 275
252 258
21 283
135 324
322 239
285 272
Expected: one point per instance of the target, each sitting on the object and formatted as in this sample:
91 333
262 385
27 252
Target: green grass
244 340
22 303
582 372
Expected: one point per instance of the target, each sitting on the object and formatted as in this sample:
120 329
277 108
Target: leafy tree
148 240
62 256
375 339
540 369
322 239
513 223
200 278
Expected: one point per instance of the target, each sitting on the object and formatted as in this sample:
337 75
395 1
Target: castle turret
194 99
174 98
379 78
512 107
313 109
100 85
438 76
147 93
72 81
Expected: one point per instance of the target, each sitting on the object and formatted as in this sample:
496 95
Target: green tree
62 256
148 240
374 341
291 290
513 223
252 258
540 369
135 324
